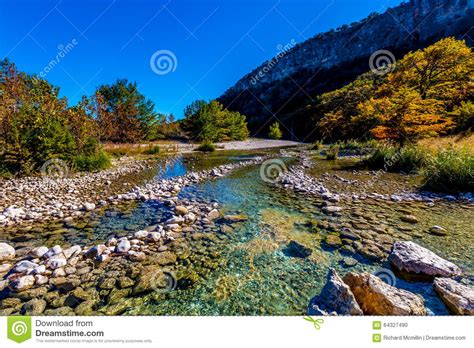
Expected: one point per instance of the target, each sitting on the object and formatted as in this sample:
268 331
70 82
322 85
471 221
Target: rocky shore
365 293
39 199
77 280
297 180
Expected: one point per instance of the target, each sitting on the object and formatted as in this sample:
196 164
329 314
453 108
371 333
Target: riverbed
274 259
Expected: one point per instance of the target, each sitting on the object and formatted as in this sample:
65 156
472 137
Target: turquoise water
247 269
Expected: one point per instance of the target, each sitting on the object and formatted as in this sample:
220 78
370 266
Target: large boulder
412 260
7 252
457 297
378 298
335 298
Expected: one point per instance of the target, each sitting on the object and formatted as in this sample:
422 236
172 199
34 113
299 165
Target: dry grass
119 150
457 141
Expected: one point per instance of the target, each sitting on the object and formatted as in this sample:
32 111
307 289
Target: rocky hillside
329 60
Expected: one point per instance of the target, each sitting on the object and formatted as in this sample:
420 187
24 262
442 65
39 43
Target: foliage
426 95
153 150
404 116
275 132
36 125
99 160
390 158
123 113
206 147
211 122
464 116
332 152
316 145
450 170
166 128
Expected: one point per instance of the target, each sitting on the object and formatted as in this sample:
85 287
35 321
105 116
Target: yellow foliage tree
442 71
405 116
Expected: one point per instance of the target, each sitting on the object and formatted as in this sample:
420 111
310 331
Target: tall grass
408 159
450 170
206 147
97 161
332 152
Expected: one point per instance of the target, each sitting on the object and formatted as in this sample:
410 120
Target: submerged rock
378 298
295 249
457 297
409 218
411 259
335 297
438 231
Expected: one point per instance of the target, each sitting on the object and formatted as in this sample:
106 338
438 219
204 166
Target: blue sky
215 42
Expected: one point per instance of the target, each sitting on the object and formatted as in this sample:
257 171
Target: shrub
450 170
97 161
464 116
154 150
391 158
36 125
275 132
316 145
332 152
206 147
212 122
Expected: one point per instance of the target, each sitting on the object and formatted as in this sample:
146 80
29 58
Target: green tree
36 125
211 122
123 113
274 131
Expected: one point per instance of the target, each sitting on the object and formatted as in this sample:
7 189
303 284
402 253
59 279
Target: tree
464 116
442 71
36 125
211 122
274 131
123 113
405 116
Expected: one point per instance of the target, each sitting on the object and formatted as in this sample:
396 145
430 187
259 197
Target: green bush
408 159
316 145
37 125
450 170
206 147
275 132
212 122
332 152
154 150
88 163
